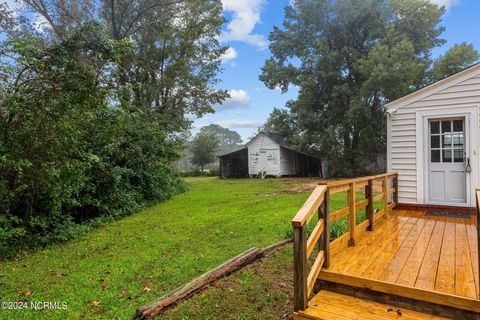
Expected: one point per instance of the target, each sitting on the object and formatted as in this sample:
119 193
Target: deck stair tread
329 305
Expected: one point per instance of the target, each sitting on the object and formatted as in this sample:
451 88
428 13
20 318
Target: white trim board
471 114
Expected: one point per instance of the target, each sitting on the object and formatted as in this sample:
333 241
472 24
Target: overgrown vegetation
92 109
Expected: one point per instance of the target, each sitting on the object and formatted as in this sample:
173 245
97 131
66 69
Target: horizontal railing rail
319 202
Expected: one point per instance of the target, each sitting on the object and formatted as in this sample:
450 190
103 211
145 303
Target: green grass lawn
262 290
111 271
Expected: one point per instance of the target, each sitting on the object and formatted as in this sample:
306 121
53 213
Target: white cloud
446 3
246 14
240 123
238 99
229 55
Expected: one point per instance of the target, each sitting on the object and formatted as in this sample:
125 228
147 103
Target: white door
448 162
262 160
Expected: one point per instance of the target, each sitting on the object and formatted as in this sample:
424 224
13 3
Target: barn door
448 162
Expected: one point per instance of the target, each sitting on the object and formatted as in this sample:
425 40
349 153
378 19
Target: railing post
395 185
369 208
352 218
324 241
300 267
385 196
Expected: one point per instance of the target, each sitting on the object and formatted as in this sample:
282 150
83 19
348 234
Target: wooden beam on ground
153 308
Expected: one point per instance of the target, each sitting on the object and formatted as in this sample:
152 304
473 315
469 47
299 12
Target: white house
433 141
269 154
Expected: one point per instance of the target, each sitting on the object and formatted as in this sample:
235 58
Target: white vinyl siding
402 126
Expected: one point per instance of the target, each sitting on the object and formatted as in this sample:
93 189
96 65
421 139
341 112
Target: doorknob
468 169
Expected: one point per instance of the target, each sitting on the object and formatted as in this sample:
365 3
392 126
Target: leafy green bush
67 156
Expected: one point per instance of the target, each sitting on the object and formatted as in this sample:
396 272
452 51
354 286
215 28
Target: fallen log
155 307
277 245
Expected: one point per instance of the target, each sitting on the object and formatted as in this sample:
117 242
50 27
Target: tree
457 58
229 140
173 66
349 58
204 147
281 121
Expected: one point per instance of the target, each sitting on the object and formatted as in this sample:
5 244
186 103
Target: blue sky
248 24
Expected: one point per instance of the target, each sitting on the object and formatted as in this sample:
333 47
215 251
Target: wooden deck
415 250
423 266
413 255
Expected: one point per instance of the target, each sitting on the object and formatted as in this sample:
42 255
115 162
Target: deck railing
319 201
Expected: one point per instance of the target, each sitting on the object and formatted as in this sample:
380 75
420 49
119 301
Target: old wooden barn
270 154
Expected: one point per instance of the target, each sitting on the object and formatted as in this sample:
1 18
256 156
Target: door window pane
458 140
458 155
457 125
446 126
447 140
447 156
435 142
434 127
435 156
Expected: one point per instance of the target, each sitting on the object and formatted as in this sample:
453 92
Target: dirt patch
301 189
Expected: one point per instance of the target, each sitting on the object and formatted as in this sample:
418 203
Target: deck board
351 255
428 270
445 281
409 272
384 257
330 305
464 279
472 243
393 269
411 249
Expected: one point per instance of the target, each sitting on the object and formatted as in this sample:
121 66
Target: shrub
68 159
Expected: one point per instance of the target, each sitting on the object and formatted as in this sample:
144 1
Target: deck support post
369 208
324 241
300 267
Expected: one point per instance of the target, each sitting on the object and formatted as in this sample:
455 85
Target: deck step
329 305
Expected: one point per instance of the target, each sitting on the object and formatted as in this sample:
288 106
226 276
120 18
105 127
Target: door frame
470 113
